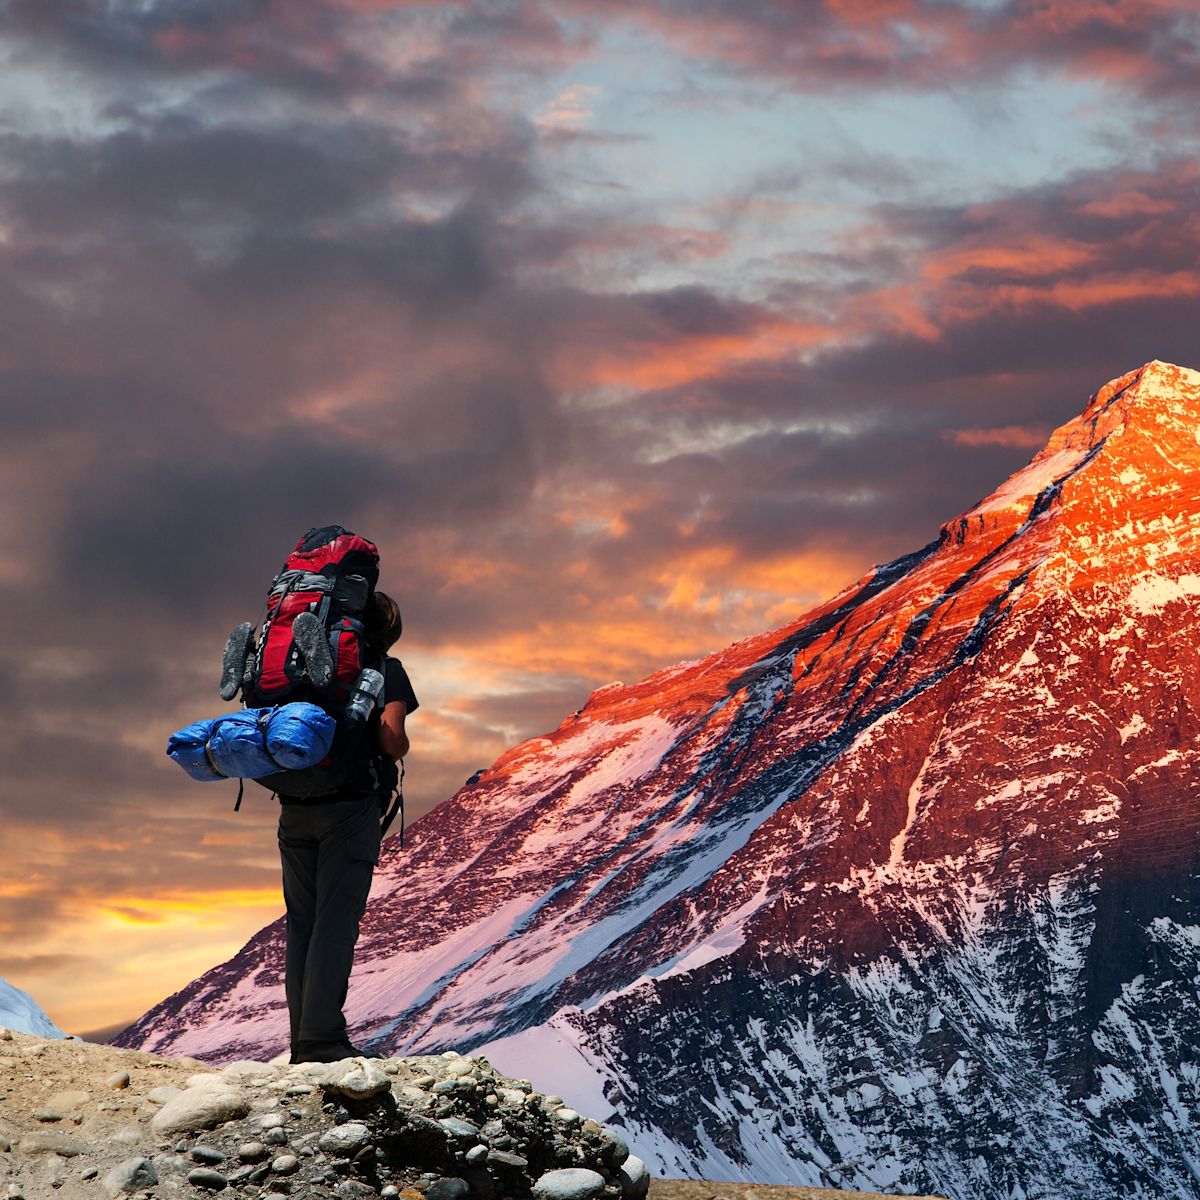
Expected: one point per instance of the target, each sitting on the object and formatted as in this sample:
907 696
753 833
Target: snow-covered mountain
20 1011
902 896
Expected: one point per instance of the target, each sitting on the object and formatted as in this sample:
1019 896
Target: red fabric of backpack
311 643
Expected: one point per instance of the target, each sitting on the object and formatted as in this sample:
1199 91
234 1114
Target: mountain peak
908 890
1132 436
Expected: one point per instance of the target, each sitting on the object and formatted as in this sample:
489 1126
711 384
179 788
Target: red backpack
310 646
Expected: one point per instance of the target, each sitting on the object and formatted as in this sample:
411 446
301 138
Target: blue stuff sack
237 747
299 735
254 742
187 748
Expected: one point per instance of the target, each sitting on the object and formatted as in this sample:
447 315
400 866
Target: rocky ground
80 1121
703 1189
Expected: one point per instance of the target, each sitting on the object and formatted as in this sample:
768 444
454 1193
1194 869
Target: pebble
50 1141
449 1188
161 1095
247 1068
569 1183
252 1152
353 1189
620 1145
63 1106
477 1155
634 1178
171 1164
90 1173
5 1144
424 1082
270 1121
344 1140
459 1128
118 1081
276 1136
300 1089
200 1108
132 1175
206 1177
567 1116
357 1078
208 1155
504 1159
285 1164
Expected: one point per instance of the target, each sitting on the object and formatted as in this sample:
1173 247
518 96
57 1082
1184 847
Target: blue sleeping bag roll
186 747
299 735
254 742
237 746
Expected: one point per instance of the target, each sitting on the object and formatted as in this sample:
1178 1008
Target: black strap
396 806
241 789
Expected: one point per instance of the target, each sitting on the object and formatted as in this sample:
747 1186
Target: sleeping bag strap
241 789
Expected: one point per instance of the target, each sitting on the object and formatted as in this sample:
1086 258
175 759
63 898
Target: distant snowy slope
19 1010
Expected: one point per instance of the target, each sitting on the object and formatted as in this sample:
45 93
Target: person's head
381 622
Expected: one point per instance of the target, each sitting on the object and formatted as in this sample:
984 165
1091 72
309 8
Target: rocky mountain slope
902 896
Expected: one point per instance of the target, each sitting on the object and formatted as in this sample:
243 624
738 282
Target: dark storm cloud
324 50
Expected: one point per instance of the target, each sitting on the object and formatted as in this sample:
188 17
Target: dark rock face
901 897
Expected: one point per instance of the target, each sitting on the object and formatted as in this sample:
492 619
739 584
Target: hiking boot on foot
326 1052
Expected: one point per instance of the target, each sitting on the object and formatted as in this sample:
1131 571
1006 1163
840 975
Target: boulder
634 1178
569 1183
199 1108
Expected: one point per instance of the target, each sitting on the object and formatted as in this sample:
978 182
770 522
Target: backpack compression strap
396 806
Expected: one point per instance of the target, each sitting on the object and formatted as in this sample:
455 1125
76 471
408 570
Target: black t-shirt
396 686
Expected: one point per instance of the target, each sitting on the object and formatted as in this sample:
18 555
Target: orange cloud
688 358
1031 254
1033 436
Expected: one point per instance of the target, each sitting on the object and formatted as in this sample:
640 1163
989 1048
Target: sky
625 328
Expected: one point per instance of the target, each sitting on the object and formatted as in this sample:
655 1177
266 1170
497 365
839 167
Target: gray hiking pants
329 851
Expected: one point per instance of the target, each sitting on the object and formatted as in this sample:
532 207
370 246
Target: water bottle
367 687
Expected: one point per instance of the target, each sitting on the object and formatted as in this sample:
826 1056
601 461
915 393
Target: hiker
329 845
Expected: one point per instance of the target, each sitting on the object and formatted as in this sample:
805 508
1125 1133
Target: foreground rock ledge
79 1120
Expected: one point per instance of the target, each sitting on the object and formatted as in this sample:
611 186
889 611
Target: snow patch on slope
20 1011
1154 592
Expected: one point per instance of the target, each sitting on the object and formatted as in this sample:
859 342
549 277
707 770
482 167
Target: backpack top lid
332 550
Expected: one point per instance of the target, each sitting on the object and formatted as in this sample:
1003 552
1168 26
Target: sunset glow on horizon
626 330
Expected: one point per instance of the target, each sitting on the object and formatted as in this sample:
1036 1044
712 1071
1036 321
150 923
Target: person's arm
393 741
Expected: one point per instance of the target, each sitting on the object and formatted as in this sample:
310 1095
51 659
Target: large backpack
310 647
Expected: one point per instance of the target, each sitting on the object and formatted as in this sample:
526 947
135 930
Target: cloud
1149 45
1033 437
311 263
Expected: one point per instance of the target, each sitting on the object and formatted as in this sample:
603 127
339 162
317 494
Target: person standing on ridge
329 846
